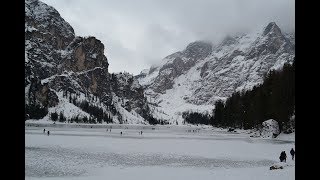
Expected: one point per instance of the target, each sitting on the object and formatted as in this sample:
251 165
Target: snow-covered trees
274 99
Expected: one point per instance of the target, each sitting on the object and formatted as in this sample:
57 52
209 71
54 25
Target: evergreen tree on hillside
273 99
61 117
196 118
85 119
218 114
54 116
35 111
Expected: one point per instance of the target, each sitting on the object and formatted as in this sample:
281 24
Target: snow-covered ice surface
161 152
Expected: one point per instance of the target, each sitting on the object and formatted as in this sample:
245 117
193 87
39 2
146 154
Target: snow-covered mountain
193 79
63 70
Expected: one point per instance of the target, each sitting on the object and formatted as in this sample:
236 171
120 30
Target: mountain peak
42 18
228 40
197 44
203 73
272 27
198 49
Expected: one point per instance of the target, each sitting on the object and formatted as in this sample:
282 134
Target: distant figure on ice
292 152
44 130
121 133
48 133
283 156
141 132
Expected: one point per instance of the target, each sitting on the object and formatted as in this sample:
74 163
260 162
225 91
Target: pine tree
61 117
54 116
218 114
85 119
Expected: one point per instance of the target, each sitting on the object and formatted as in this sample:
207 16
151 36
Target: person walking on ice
44 130
292 152
48 133
283 156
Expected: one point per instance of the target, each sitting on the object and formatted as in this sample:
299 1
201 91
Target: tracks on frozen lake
57 161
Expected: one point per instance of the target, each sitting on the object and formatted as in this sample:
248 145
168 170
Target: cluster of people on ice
193 130
109 130
48 132
140 132
283 155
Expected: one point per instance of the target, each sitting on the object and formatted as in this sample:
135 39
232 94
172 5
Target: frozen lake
161 152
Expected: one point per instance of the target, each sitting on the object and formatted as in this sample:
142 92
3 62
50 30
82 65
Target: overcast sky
139 33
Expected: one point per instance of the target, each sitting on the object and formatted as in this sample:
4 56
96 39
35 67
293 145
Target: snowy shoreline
173 128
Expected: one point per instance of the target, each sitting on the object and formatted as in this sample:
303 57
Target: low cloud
139 33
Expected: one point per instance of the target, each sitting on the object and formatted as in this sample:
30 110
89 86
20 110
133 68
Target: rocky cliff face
46 33
179 63
193 79
63 70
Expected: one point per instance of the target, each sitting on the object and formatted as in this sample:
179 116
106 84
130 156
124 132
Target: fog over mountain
138 34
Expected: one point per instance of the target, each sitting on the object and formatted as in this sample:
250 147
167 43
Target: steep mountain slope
193 79
69 74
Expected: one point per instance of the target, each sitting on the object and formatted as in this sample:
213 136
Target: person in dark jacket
283 156
44 130
292 152
48 133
